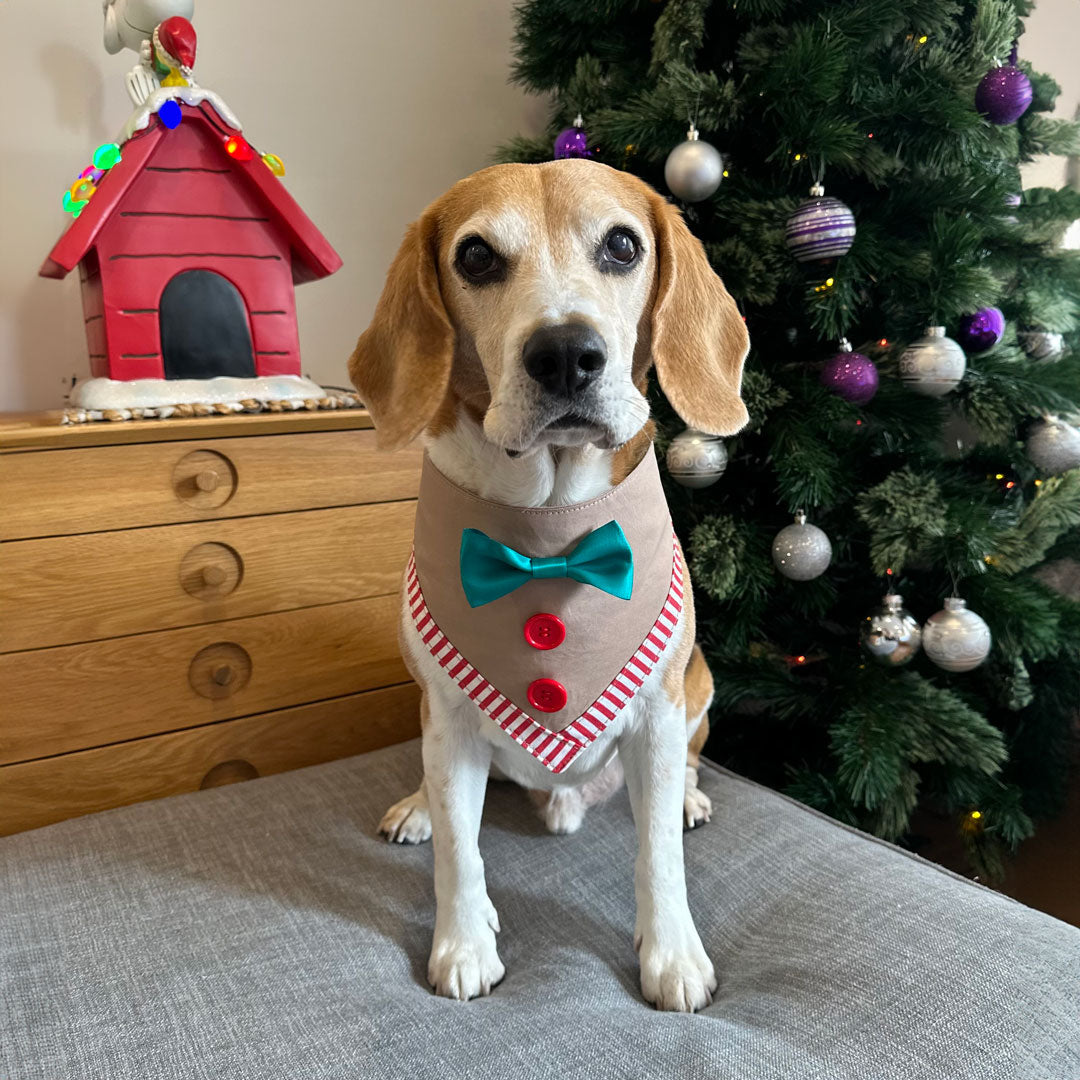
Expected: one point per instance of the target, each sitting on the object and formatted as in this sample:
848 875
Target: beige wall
376 108
1049 42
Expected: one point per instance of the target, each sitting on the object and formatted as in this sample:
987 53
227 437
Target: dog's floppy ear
401 366
699 339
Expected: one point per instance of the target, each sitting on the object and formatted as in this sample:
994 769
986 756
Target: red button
547 695
545 631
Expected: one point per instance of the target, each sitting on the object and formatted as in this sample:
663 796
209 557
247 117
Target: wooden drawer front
78 696
40 792
81 588
63 492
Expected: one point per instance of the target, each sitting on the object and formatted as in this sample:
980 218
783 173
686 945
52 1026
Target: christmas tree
957 477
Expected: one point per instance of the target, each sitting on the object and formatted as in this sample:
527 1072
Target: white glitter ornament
801 552
696 459
891 634
933 364
1042 346
694 169
956 639
1053 446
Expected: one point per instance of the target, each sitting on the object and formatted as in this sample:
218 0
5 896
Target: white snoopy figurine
130 24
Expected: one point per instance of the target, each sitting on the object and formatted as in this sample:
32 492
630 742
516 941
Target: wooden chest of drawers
188 603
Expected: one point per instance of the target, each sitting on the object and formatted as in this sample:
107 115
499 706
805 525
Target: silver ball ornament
891 634
1042 346
1053 446
933 364
696 459
956 639
694 169
801 552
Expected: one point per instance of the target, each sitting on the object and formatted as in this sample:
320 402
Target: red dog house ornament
188 252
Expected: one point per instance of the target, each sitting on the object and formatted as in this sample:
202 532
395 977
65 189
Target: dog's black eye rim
477 261
619 250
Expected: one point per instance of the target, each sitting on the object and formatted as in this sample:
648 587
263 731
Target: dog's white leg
675 972
408 821
464 961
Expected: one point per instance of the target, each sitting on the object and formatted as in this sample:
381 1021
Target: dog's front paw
697 806
408 821
465 966
565 811
676 979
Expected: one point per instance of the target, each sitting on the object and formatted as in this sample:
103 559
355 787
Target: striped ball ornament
821 228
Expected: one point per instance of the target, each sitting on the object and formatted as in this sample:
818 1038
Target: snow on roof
315 258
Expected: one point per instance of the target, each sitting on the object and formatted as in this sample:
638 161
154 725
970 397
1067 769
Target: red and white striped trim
553 749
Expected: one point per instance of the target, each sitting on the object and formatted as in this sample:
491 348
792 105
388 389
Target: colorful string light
236 146
76 198
170 114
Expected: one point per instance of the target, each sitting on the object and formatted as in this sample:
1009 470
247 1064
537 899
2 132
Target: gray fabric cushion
262 931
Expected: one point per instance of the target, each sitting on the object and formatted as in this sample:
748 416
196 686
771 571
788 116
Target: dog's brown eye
476 259
620 247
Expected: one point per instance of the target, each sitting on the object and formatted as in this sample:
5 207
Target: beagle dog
515 333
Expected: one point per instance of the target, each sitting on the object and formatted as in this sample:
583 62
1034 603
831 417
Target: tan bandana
552 661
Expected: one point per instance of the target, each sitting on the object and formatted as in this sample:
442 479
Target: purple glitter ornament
821 228
981 331
1004 93
572 142
850 375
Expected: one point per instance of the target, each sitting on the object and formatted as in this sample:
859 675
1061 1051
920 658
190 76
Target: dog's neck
548 476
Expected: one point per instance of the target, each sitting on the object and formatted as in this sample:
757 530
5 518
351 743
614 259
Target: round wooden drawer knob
220 670
204 479
214 576
207 480
211 571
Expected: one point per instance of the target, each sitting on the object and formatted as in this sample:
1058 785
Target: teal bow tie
490 569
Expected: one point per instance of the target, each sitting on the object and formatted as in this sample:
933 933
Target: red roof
313 256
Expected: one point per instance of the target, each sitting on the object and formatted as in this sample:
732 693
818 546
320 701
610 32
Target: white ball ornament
694 169
801 552
956 639
891 634
1042 346
696 459
1053 446
933 364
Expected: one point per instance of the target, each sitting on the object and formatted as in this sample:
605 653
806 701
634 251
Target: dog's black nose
565 359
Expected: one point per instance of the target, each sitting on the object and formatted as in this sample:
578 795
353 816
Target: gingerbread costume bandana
549 618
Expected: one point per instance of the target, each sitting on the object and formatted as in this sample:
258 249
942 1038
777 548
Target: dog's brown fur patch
699 683
674 681
627 458
699 691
